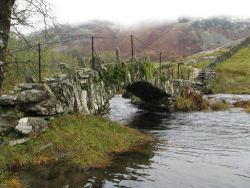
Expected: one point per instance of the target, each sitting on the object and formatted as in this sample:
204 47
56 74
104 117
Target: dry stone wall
85 92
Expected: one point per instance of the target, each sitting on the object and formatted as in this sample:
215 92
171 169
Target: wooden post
172 73
188 74
160 65
178 71
181 74
132 46
39 63
92 50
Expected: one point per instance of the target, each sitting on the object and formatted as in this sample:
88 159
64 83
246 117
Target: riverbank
82 141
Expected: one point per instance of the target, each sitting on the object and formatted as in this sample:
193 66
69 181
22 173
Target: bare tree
18 14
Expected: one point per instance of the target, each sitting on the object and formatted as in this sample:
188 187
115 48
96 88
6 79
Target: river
197 149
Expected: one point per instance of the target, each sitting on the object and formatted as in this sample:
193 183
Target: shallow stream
198 149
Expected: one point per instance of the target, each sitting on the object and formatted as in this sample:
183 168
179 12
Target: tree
16 13
5 21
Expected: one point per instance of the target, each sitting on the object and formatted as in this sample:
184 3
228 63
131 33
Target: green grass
183 72
82 141
233 75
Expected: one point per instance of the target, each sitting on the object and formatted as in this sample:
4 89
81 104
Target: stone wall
207 78
82 92
228 54
179 86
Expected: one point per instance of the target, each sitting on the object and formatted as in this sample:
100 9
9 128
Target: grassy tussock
83 141
191 101
183 104
218 106
247 109
243 104
14 183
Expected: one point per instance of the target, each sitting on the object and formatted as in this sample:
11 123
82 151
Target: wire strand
147 46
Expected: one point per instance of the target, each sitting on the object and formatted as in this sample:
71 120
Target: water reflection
125 168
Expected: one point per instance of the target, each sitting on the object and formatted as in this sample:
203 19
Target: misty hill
181 38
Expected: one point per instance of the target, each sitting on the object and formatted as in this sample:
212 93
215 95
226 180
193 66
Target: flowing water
198 149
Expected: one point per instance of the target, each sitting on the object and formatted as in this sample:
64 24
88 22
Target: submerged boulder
30 125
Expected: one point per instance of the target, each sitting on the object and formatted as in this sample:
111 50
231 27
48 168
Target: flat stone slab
31 96
8 100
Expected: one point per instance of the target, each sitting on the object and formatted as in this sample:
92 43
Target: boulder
29 86
31 96
8 100
30 125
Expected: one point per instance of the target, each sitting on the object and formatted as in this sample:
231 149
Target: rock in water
30 125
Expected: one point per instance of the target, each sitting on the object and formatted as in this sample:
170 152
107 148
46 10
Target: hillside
233 75
182 38
232 66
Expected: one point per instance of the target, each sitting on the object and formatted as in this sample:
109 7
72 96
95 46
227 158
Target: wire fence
135 47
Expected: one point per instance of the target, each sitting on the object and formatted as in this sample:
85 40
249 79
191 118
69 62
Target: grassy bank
82 141
233 75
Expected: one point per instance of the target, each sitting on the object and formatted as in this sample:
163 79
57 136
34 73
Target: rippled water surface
200 149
